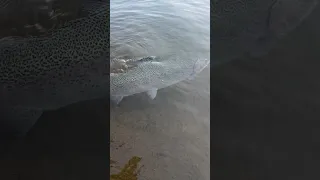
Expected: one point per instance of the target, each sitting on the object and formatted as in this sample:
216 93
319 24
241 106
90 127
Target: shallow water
154 27
171 132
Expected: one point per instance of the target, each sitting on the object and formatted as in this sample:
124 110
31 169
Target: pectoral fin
152 93
116 99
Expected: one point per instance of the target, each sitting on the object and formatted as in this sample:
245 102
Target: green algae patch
129 172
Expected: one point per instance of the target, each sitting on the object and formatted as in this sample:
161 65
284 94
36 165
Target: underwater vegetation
130 170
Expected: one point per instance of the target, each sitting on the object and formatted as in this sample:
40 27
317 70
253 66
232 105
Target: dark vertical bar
265 117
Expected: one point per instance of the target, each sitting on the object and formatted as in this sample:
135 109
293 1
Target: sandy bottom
170 133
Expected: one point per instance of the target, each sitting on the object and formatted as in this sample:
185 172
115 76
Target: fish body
153 73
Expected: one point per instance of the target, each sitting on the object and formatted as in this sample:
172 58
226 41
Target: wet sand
265 118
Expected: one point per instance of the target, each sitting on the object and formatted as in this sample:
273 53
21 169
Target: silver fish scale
153 75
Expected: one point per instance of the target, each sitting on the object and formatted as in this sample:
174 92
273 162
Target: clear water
171 132
160 27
